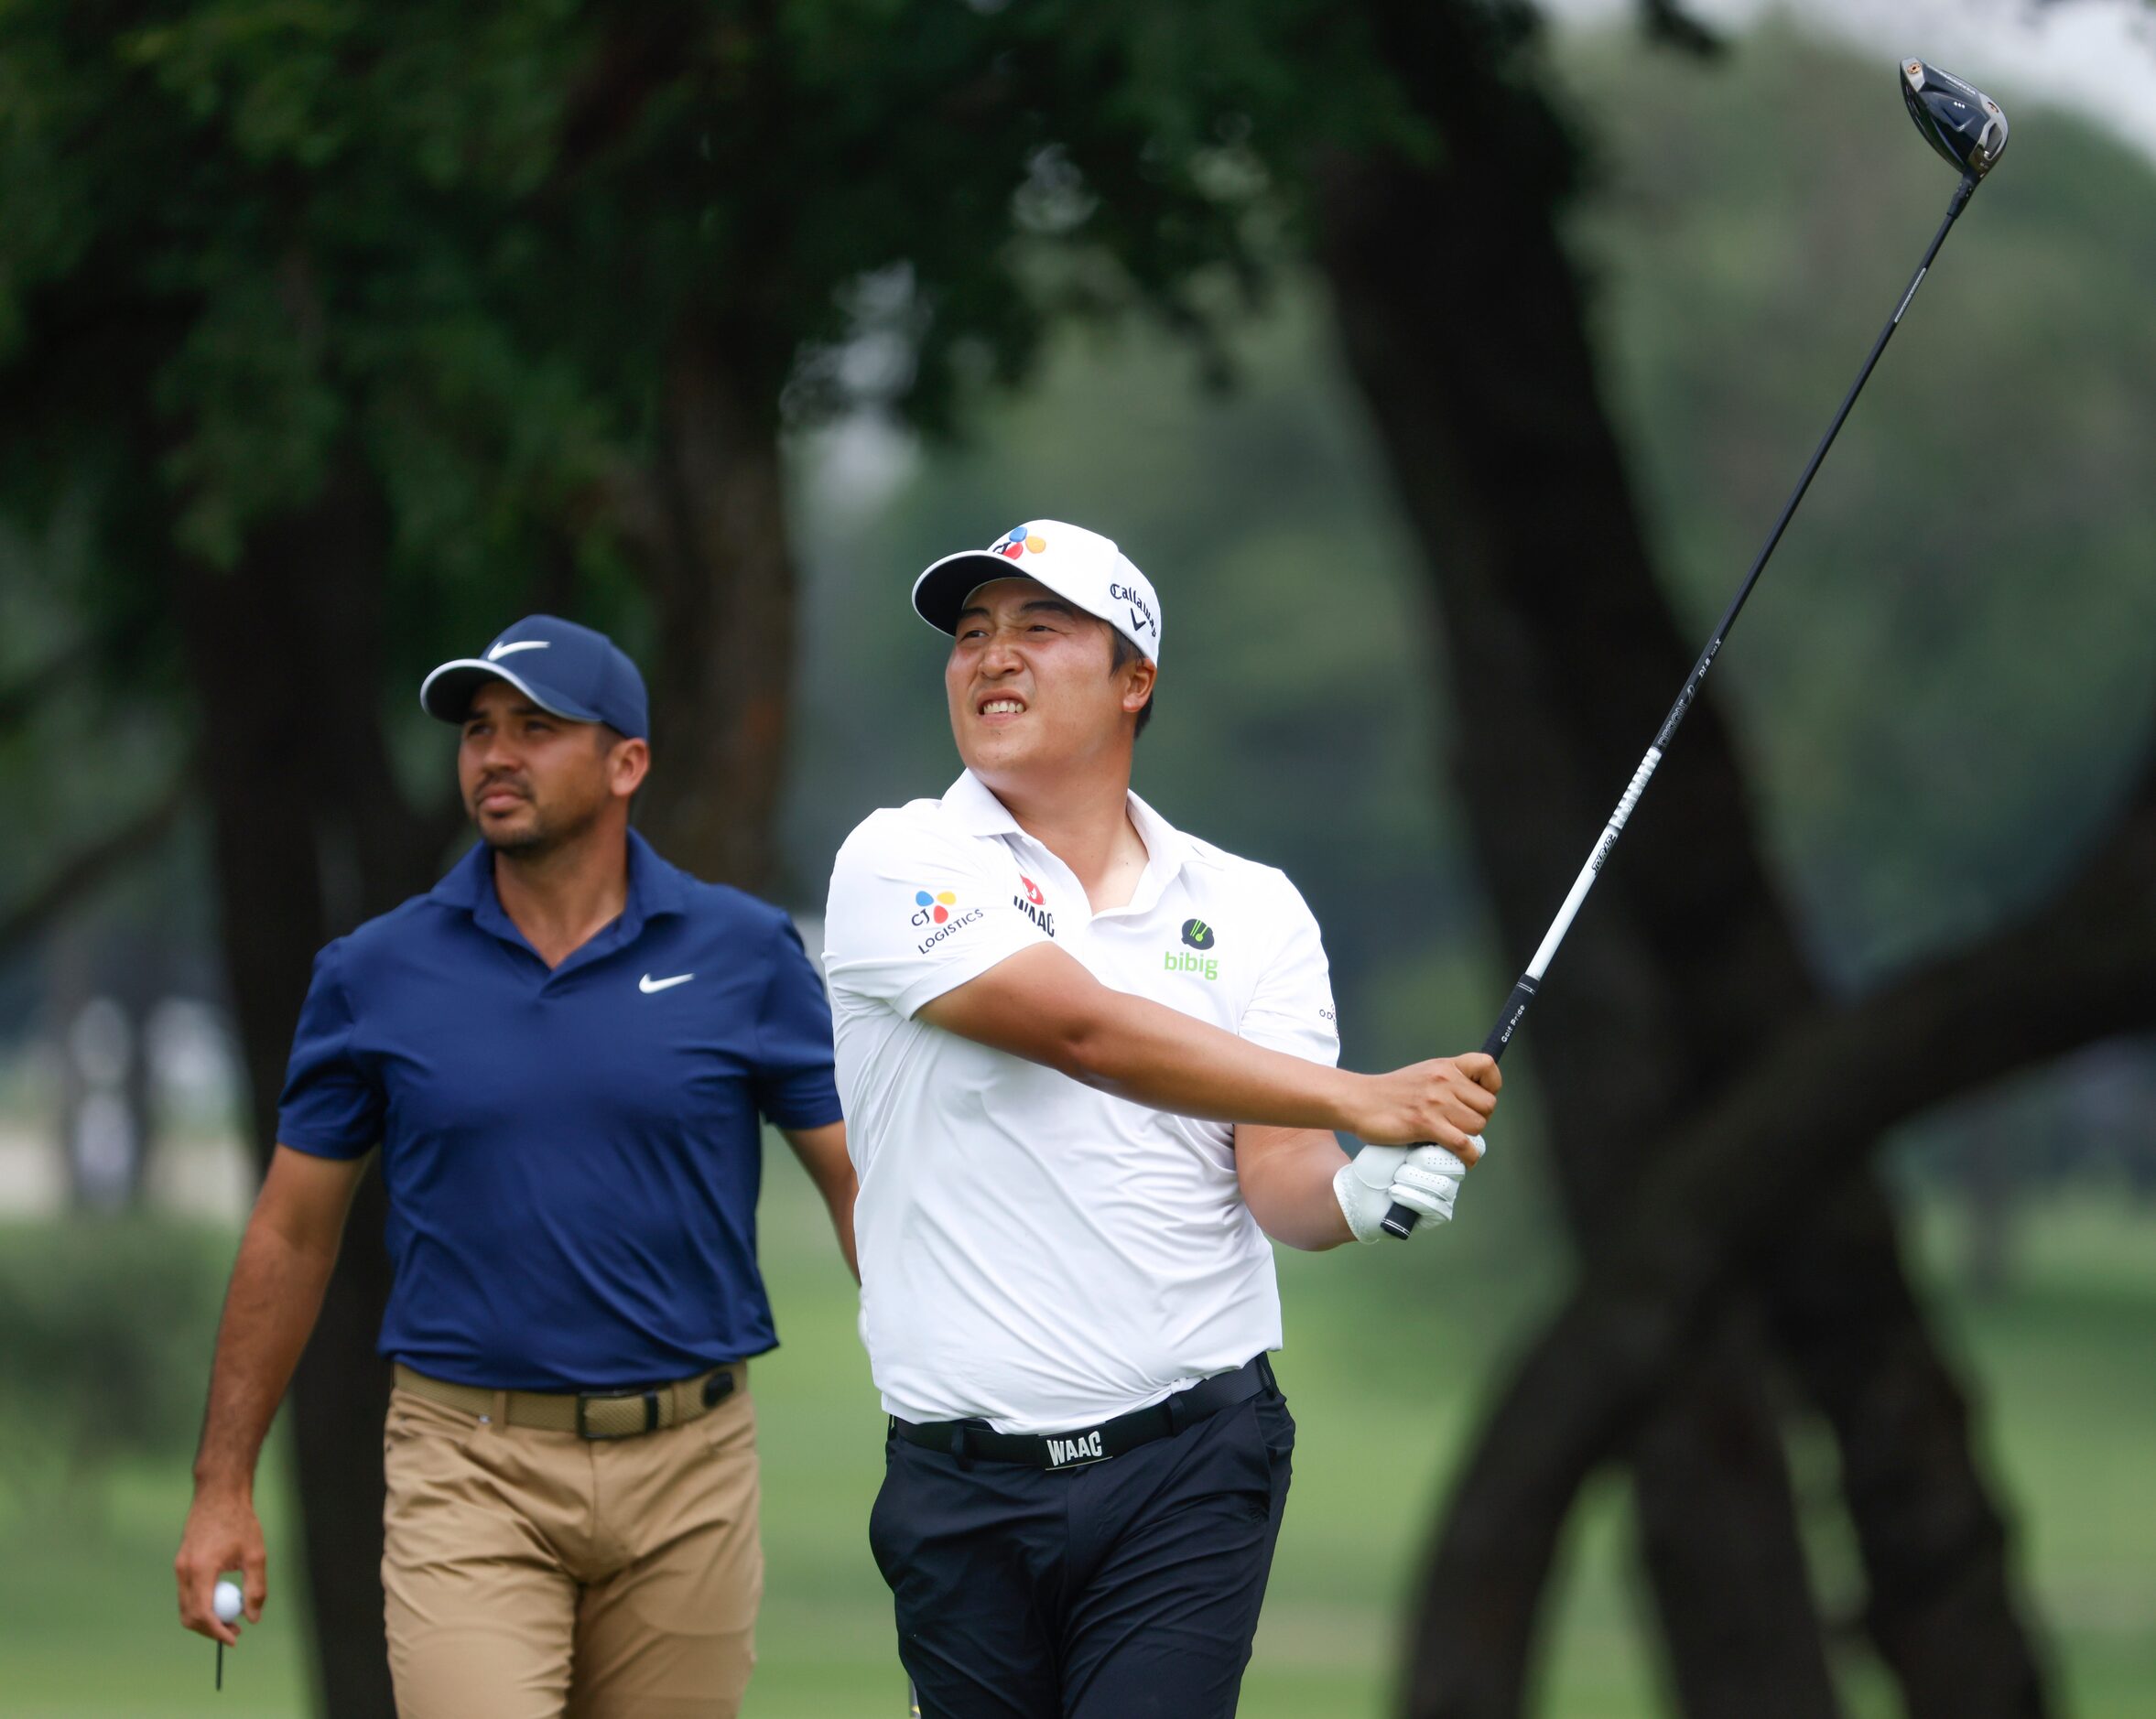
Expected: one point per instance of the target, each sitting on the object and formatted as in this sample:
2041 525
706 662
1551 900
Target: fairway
2062 1370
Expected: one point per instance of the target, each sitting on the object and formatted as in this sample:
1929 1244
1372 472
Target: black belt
975 1439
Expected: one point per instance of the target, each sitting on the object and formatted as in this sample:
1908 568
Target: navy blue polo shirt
573 1156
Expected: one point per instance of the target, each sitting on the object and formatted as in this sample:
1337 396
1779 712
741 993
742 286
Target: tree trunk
710 527
1725 1193
1463 324
310 836
1711 1487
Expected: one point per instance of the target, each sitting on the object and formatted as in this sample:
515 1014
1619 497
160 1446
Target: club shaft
1400 1221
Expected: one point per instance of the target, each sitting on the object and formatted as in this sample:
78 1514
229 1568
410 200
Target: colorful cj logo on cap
1016 543
935 909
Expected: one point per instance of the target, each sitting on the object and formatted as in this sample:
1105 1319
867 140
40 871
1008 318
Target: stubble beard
540 835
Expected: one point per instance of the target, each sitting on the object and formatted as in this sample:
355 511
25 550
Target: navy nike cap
572 671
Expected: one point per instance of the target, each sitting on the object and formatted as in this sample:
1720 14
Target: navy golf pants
1121 1590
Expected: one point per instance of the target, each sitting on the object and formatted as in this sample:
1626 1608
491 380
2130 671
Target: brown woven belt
591 1414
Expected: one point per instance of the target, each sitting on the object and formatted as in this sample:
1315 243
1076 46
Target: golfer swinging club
1087 1064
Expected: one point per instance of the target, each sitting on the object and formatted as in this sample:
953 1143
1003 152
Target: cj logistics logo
1198 937
1016 543
937 911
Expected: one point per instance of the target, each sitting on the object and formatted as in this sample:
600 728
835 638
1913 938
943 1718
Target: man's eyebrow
1055 604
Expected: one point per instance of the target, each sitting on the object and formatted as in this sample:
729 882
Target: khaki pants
534 1574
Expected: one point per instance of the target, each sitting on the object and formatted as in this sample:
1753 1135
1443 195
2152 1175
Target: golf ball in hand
228 1602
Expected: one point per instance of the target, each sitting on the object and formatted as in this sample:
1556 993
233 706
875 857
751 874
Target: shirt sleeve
332 1106
1291 1008
793 1080
916 912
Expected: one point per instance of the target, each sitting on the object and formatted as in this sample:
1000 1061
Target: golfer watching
563 1052
1089 1068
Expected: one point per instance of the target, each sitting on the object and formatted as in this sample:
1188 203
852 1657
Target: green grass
2059 1366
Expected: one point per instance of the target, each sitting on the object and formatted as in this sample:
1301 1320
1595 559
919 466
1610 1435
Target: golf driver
1969 130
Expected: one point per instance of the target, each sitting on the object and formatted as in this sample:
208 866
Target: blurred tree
1683 981
347 333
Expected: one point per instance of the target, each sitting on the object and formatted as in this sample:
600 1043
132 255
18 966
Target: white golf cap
1079 565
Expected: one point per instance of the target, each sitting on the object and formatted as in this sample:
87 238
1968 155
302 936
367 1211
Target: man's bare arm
1043 1005
822 1152
285 1257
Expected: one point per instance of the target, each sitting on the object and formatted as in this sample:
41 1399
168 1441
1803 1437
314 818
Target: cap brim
940 593
448 692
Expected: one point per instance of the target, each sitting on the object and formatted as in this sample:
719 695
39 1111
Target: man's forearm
269 1310
1159 1056
1042 1005
822 1152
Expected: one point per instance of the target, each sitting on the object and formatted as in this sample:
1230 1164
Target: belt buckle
585 1429
1077 1449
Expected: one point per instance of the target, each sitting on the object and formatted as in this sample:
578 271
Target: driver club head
1964 124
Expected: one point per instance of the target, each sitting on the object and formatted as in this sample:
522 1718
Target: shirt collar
655 888
976 809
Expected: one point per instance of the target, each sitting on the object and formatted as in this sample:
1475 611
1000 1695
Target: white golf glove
1424 1179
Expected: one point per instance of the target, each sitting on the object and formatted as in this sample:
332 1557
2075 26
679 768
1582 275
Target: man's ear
628 762
1138 689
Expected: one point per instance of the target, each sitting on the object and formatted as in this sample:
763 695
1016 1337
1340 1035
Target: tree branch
82 873
1783 1136
1669 24
38 685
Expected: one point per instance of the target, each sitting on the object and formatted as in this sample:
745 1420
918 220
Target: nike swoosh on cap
498 651
648 984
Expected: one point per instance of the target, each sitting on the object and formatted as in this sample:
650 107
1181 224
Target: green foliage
108 1329
462 244
451 261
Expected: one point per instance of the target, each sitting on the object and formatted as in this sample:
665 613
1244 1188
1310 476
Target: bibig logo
1035 905
1198 935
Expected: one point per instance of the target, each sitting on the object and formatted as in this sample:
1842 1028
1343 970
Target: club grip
1400 1220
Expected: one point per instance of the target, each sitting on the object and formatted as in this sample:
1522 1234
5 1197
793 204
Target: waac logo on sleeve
1035 905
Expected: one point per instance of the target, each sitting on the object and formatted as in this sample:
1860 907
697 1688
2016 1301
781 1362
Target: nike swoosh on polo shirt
647 984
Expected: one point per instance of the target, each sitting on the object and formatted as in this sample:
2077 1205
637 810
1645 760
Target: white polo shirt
1032 1251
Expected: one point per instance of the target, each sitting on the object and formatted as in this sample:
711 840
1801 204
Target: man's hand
286 1256
222 1533
1444 1102
1426 1179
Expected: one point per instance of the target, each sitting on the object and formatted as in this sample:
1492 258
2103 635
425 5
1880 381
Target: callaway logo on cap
1079 565
558 665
